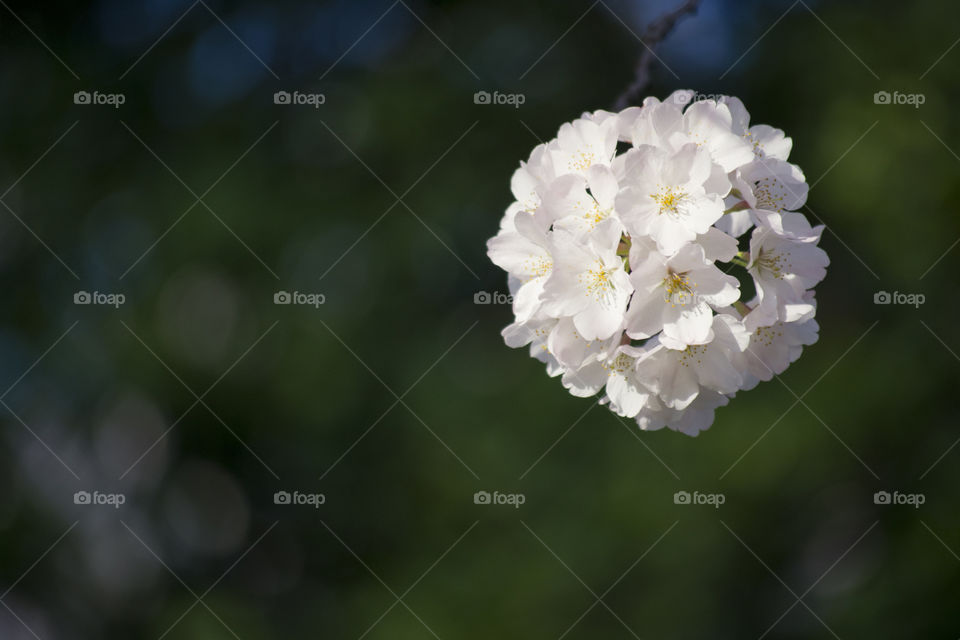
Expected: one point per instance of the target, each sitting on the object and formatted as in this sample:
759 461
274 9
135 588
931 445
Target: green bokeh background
396 398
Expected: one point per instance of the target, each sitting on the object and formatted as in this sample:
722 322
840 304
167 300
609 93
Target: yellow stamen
677 289
670 199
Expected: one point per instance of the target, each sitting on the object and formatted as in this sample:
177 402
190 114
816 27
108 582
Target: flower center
771 263
595 215
597 282
592 213
769 194
677 289
766 336
693 354
621 364
757 149
531 204
670 199
539 266
582 160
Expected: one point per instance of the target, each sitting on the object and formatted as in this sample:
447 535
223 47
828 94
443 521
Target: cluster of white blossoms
623 247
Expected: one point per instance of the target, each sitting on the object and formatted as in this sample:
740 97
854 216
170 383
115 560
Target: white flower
531 178
676 375
588 282
697 417
534 332
766 141
772 185
784 264
675 295
579 204
772 349
672 197
626 395
524 253
621 265
573 350
705 123
617 374
768 185
582 144
528 183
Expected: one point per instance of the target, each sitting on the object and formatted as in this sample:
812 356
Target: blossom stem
655 33
742 308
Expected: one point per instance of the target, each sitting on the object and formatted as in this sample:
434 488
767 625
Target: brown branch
656 32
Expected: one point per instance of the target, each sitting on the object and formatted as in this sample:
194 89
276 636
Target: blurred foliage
396 398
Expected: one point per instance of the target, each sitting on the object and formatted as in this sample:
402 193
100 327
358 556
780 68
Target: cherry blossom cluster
657 255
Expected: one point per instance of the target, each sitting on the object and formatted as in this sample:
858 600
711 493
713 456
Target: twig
655 33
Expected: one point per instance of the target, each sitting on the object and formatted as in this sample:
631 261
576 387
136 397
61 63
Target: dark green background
877 408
